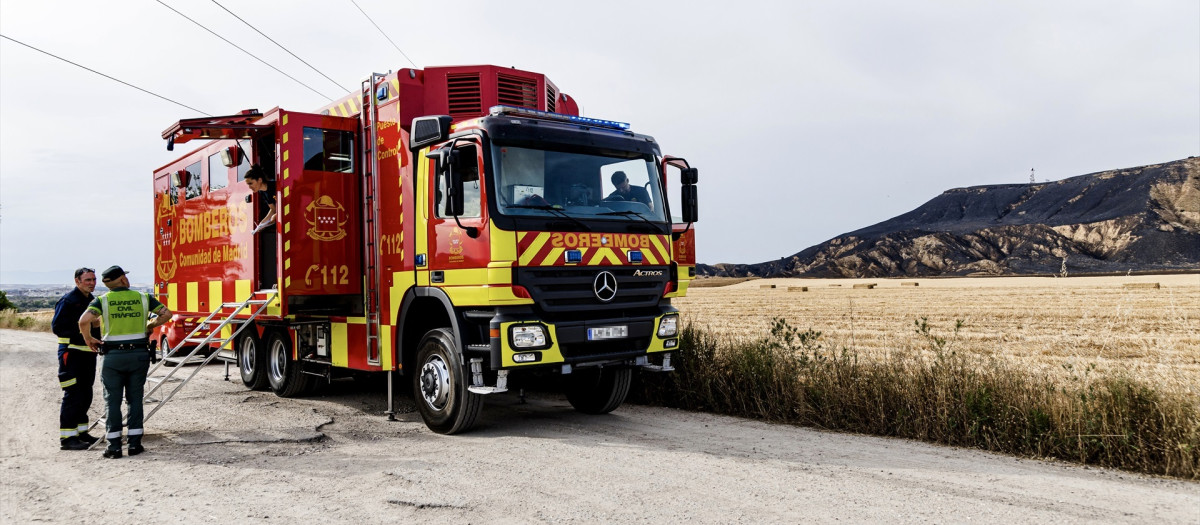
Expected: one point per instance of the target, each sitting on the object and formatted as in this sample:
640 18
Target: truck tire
439 385
251 361
599 391
282 371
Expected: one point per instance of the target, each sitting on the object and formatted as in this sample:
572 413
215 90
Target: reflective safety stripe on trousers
67 341
123 315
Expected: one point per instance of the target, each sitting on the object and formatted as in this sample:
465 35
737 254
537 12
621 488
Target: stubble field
1065 327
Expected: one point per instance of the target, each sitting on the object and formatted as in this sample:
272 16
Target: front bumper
567 342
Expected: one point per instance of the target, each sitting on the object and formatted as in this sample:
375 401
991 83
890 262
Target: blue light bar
573 256
635 256
533 113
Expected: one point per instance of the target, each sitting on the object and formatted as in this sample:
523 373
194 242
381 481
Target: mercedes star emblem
605 286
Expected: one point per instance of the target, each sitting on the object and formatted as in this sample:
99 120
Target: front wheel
599 391
283 372
440 387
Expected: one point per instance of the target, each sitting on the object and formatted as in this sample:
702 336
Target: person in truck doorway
628 192
256 180
126 349
76 362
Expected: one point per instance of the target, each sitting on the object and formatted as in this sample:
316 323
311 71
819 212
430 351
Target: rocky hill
1137 219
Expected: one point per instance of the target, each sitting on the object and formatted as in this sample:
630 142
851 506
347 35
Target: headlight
531 336
669 326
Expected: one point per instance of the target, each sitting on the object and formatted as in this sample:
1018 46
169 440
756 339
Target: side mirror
229 156
690 202
429 130
689 175
453 167
181 178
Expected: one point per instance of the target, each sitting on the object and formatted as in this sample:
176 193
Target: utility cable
278 44
382 33
244 51
105 76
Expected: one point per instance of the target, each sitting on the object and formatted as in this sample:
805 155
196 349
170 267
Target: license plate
607 332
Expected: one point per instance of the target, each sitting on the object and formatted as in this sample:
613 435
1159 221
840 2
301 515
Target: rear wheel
440 386
250 361
282 371
599 391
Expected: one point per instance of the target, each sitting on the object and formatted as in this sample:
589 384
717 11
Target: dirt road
218 452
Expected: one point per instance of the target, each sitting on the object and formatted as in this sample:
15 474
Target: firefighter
627 192
76 362
126 352
258 182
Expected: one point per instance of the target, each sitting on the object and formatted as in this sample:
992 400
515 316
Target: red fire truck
448 226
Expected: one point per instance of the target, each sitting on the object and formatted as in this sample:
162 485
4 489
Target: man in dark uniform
628 192
126 349
76 362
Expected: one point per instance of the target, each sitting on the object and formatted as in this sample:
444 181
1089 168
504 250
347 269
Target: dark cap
113 272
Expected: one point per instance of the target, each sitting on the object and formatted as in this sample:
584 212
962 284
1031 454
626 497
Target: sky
806 119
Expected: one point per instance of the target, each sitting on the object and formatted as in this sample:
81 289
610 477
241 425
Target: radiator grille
464 94
570 289
515 91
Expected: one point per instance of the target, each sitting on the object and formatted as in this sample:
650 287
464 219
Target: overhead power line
382 33
278 44
103 75
214 33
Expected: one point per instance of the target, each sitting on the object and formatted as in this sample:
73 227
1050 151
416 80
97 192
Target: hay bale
867 286
909 283
1141 285
797 288
766 286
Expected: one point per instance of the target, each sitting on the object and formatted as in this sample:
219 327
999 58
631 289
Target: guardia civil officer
122 313
76 362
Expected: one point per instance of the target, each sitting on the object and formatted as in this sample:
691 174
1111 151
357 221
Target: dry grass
716 282
1083 369
38 321
1047 325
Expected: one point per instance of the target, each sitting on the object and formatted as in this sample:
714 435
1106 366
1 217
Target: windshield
534 182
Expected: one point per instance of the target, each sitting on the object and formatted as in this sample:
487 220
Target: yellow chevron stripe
604 254
285 119
285 173
285 137
554 255
529 253
656 242
287 191
647 255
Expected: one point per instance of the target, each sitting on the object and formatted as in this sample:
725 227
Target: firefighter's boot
72 443
135 446
113 451
88 438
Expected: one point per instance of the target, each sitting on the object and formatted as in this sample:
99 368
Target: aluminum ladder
222 317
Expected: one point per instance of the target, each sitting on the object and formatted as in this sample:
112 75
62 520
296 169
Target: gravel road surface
218 452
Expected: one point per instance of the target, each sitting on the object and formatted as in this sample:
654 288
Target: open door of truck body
320 208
